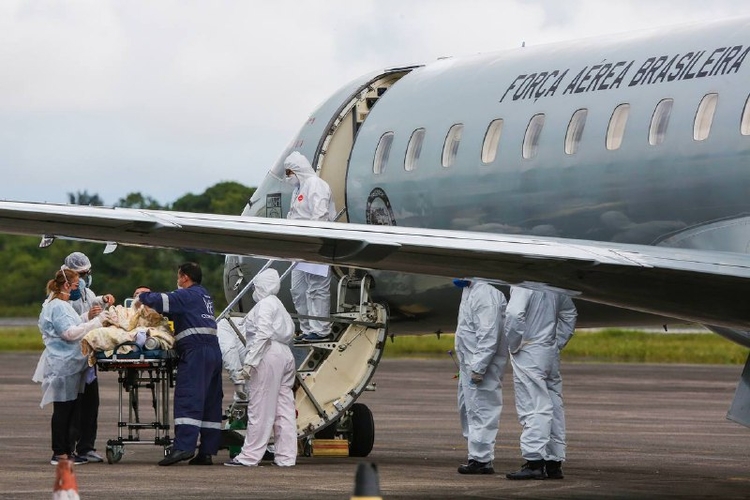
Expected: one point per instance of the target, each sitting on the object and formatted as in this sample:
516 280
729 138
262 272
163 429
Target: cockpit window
491 141
575 131
413 150
616 127
659 122
450 148
531 139
382 152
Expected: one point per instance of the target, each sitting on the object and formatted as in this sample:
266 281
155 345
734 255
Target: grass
610 346
601 346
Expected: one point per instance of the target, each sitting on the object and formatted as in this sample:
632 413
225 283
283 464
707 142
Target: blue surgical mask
461 283
75 294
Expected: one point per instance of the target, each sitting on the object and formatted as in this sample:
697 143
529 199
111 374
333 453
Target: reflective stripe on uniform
195 331
197 423
165 303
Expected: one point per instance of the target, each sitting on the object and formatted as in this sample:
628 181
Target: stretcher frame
150 370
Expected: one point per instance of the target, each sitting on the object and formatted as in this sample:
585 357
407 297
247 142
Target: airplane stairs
332 375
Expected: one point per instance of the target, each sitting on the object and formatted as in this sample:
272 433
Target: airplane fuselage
633 139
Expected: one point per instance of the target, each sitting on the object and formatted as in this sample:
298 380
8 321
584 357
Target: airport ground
634 431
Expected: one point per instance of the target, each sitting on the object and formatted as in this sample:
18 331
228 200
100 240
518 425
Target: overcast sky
170 97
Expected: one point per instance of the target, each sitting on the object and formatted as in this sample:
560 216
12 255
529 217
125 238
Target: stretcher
151 371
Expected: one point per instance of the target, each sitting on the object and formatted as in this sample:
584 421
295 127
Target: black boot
474 467
554 469
532 469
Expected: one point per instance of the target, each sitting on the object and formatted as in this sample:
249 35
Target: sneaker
314 337
236 463
532 469
54 460
92 456
474 467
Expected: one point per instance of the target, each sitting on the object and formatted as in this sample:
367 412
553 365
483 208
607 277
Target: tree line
28 267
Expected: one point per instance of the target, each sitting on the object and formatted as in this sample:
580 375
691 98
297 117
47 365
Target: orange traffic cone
66 487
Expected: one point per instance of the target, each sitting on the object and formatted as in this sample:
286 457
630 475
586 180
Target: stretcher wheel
114 453
363 431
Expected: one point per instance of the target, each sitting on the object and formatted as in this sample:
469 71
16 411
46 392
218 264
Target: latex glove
476 378
239 392
247 371
95 311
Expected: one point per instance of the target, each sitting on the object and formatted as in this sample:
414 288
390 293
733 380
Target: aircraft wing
706 287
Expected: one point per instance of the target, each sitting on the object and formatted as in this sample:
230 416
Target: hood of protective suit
297 163
266 283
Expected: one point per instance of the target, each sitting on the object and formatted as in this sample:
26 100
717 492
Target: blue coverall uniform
198 393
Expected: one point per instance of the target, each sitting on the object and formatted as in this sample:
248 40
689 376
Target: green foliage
21 339
28 267
611 346
641 347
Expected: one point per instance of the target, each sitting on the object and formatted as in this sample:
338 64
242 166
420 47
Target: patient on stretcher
122 324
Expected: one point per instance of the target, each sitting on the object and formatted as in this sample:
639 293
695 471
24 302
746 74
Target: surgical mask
75 294
461 283
292 179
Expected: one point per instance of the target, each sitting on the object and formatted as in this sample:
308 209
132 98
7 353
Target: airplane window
531 139
616 128
382 152
414 149
491 141
745 125
575 131
450 148
705 117
659 122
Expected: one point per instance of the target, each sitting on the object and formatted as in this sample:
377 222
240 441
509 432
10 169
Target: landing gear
362 434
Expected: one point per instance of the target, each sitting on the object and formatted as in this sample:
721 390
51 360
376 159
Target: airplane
612 169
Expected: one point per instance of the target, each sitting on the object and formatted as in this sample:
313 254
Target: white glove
239 392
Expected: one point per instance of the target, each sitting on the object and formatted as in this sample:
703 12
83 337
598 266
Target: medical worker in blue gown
198 392
62 364
482 355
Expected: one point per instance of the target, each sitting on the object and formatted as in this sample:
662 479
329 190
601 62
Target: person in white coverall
482 355
311 283
232 355
538 324
269 373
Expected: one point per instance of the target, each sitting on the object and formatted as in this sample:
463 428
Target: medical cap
77 261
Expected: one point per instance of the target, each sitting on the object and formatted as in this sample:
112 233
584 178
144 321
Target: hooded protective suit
269 364
311 284
533 319
232 355
482 353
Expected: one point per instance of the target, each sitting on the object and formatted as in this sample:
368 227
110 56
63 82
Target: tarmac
634 431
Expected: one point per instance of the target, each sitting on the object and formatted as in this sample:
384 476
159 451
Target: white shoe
93 456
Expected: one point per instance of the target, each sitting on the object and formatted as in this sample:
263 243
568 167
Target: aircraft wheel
363 431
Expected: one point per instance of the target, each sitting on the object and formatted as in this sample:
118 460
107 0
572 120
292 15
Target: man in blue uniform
197 394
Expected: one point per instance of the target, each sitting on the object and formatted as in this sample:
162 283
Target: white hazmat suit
232 354
482 354
311 283
270 370
538 324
